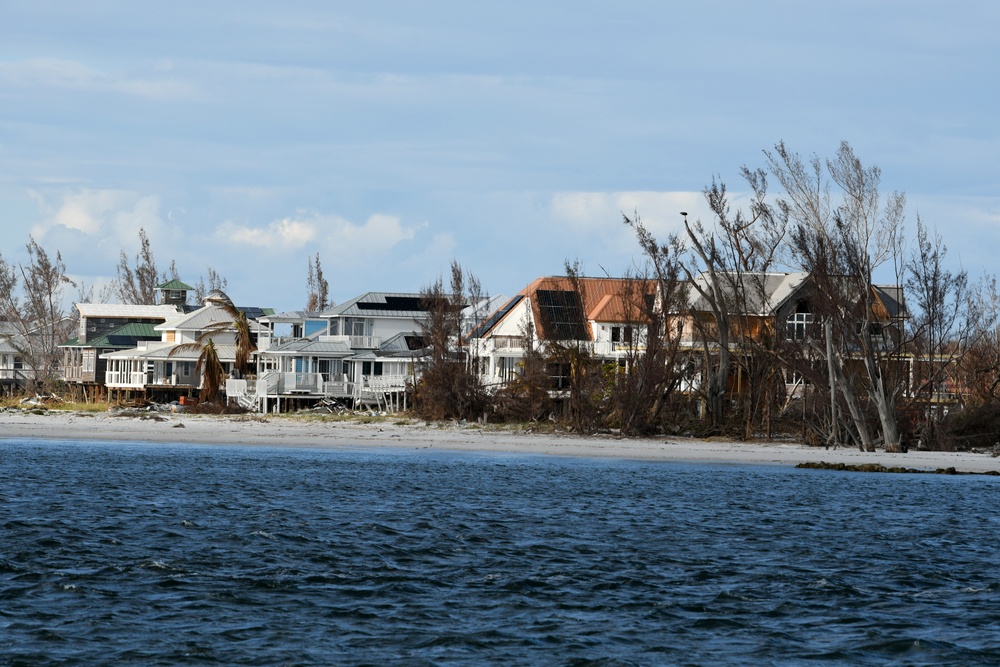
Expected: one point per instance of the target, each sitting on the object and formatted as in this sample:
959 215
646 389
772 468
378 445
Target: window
798 325
507 368
559 375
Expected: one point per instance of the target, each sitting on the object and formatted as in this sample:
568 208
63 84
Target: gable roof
764 293
208 315
892 299
559 312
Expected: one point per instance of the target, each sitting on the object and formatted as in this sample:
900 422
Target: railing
131 380
267 342
365 342
607 348
507 342
384 382
309 383
275 383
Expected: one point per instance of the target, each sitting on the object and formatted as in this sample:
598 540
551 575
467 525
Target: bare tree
653 373
215 283
570 359
737 257
450 386
319 289
138 285
31 299
941 327
525 397
844 246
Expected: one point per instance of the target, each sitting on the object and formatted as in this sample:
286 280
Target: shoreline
292 432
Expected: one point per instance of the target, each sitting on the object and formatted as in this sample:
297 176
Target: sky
393 138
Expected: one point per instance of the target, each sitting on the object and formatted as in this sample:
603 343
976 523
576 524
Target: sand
282 431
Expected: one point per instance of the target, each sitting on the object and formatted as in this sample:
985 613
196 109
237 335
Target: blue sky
394 137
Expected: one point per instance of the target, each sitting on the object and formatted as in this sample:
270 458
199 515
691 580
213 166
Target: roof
892 298
124 310
763 293
305 346
288 317
162 352
403 344
207 316
560 313
381 304
124 336
175 285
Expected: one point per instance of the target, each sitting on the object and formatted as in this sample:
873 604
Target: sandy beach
406 434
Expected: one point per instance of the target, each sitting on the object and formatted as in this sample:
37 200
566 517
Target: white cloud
350 241
285 234
98 212
660 211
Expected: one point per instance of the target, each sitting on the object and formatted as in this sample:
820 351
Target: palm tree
212 372
245 343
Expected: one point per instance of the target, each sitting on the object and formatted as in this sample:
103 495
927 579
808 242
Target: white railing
365 342
235 388
130 380
274 383
301 383
384 382
506 342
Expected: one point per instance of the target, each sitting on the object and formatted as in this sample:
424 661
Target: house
166 368
780 312
606 316
364 351
14 374
103 329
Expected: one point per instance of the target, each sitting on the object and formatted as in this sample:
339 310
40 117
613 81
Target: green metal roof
124 336
175 285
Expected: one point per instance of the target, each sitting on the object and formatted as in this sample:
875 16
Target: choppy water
160 555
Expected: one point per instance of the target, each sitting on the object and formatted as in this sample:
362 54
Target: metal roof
124 310
175 285
305 346
381 304
162 352
763 293
124 336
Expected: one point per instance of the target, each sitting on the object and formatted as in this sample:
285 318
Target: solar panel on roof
561 313
407 303
481 329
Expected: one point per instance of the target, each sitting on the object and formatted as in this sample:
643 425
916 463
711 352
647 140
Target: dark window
559 375
798 325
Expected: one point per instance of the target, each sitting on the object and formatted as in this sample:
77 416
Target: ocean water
142 554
